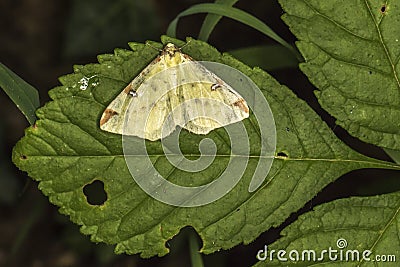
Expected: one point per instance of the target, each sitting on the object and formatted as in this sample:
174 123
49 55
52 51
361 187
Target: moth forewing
113 116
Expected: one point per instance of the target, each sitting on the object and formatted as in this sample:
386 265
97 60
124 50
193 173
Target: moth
173 90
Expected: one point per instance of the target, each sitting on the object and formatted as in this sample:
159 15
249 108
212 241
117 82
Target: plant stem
194 248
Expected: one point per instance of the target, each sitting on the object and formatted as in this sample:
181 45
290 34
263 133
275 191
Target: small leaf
67 151
349 226
352 56
24 95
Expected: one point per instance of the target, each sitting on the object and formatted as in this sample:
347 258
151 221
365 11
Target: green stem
194 248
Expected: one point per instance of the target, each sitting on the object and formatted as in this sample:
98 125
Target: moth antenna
185 44
159 50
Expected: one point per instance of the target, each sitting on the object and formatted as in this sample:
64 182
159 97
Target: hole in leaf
282 154
95 194
383 9
23 157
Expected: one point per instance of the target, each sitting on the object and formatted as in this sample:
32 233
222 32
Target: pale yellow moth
154 103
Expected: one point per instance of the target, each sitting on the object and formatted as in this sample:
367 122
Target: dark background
41 40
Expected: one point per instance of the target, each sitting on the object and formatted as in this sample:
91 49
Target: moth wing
112 119
213 103
148 115
122 115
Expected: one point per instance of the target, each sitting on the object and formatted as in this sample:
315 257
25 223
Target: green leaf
211 20
394 154
232 13
67 151
267 57
352 56
363 223
24 95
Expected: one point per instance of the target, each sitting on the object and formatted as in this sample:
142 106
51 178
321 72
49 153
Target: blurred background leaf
211 20
24 95
268 57
235 14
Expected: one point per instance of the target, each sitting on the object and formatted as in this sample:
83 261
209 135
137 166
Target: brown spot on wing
241 104
187 57
108 113
127 89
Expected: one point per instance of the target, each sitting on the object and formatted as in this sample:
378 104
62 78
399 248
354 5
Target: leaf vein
337 23
394 72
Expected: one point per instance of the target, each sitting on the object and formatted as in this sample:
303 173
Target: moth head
170 49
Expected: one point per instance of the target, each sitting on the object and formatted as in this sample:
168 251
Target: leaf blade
24 95
354 68
211 20
394 154
360 223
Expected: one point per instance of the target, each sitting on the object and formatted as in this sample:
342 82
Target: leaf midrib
378 164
